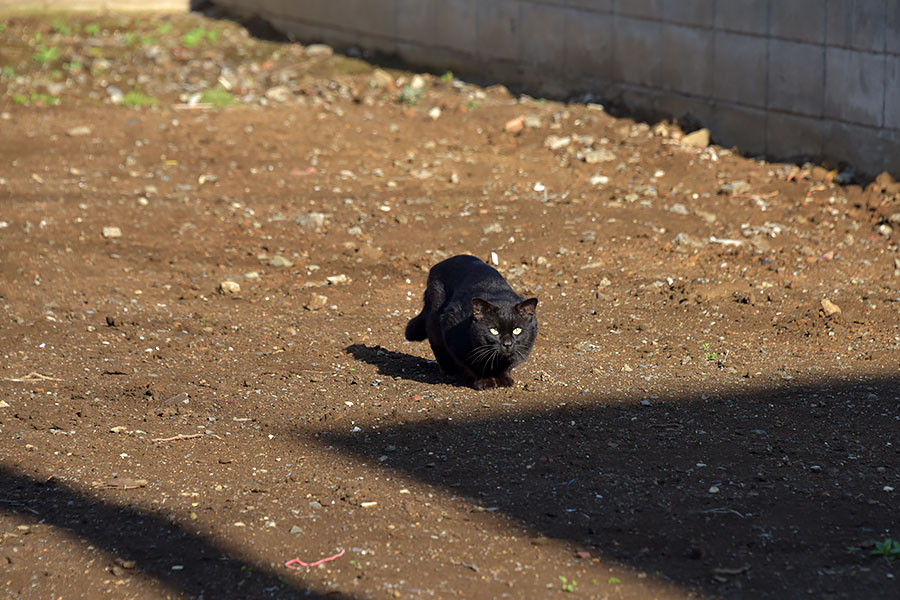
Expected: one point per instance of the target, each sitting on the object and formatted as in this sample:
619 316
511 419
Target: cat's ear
526 308
480 308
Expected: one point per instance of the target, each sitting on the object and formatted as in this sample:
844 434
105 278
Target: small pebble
280 262
229 287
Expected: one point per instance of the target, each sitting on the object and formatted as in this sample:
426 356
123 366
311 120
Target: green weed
92 29
36 99
61 27
614 580
447 77
197 36
45 54
709 356
889 548
410 96
130 38
136 99
567 584
218 97
8 72
164 28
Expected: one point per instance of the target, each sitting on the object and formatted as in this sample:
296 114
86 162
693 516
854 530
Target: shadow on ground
402 366
751 494
151 541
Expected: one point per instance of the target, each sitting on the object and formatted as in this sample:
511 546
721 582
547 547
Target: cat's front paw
488 383
485 383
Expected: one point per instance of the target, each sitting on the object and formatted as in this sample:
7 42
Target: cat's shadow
403 366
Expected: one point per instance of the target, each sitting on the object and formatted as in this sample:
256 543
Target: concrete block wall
790 79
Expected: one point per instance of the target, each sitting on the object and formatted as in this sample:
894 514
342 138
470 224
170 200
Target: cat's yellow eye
494 331
517 331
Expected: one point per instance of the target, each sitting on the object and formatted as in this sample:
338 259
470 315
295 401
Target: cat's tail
415 329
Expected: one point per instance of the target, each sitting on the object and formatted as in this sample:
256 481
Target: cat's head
504 329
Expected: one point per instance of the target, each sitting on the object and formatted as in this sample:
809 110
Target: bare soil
711 409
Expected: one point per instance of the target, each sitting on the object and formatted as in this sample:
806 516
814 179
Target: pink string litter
296 563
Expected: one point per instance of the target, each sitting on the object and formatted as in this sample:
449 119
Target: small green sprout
568 585
92 29
137 99
614 580
889 548
410 96
61 27
709 356
447 77
197 36
45 54
218 97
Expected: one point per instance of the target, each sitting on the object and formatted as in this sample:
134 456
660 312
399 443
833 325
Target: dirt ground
221 384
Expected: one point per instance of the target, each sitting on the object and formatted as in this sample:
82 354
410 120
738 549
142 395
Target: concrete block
541 42
890 159
734 125
642 102
796 138
371 18
859 146
589 45
892 41
685 109
892 92
456 24
743 16
498 26
689 12
798 20
687 59
416 21
309 11
739 68
854 86
604 6
858 24
646 9
438 59
796 80
637 51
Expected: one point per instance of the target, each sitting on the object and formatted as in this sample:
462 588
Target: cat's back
465 276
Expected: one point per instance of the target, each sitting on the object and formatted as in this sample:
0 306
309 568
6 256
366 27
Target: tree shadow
403 366
769 493
151 541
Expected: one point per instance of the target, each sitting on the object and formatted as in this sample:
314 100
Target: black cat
476 324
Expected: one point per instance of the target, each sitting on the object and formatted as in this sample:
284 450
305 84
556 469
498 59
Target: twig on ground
180 436
722 510
33 376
